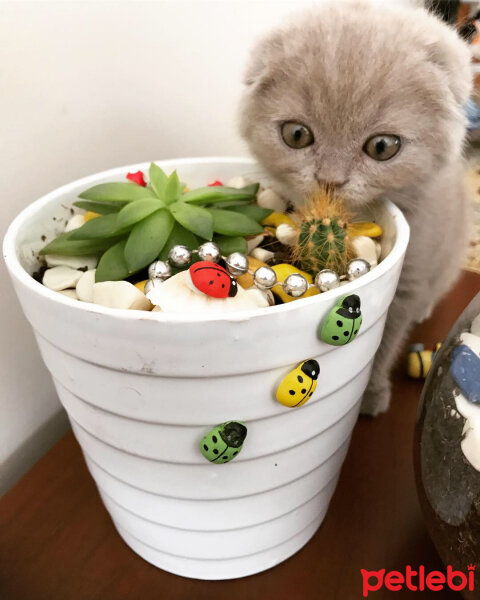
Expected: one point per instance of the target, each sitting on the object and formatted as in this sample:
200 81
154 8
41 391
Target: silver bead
209 251
264 278
180 256
237 263
356 268
295 285
327 280
151 285
159 270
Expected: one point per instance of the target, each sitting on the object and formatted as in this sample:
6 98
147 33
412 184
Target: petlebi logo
418 580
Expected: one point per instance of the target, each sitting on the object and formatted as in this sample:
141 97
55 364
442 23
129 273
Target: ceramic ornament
343 322
212 280
298 386
224 442
465 370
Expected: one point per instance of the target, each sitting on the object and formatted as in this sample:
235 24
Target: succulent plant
322 241
138 223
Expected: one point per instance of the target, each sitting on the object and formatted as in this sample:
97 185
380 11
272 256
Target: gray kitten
369 99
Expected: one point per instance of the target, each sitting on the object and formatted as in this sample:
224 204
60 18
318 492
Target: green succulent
140 224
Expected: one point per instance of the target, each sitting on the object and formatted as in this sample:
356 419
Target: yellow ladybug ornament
298 386
420 360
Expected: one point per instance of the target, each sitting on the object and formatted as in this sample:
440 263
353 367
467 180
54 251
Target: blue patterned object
465 370
472 111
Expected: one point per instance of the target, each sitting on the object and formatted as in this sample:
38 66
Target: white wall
85 86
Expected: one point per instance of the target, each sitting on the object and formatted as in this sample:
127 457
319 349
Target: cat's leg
399 322
445 266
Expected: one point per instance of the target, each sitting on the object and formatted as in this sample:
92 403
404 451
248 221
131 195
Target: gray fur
350 70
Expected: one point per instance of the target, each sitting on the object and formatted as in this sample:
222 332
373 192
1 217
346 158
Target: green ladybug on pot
224 442
343 322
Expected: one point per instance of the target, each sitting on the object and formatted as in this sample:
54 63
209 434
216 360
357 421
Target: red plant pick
137 178
216 182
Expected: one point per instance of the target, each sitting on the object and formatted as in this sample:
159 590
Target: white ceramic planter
141 389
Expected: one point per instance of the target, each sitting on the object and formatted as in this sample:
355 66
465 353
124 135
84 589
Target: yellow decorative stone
282 271
368 229
271 230
276 219
141 285
246 281
90 215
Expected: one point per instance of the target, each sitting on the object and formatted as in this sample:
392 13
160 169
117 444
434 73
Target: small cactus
322 241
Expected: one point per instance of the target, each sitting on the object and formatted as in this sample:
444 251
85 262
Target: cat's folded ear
259 74
452 56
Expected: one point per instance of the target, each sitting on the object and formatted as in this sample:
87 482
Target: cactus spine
322 241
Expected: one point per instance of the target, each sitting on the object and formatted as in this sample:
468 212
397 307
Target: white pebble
120 294
364 247
85 286
475 329
260 298
470 443
69 293
254 242
74 262
237 182
267 294
61 278
75 222
286 234
472 341
267 198
176 295
262 254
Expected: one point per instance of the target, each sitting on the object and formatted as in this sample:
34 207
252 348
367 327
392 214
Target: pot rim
18 272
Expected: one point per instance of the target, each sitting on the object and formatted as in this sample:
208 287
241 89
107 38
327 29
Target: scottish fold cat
369 98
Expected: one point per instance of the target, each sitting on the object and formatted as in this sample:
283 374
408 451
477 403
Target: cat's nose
330 185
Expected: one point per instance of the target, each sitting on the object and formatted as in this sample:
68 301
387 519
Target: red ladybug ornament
212 280
215 183
137 178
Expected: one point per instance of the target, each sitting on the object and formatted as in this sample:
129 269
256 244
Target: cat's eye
382 147
296 135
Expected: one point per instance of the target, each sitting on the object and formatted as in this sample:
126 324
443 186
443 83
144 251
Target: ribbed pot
141 389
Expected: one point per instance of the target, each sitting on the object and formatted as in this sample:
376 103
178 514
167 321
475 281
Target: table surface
58 541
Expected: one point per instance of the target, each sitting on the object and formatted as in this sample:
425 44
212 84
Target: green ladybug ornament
343 322
224 442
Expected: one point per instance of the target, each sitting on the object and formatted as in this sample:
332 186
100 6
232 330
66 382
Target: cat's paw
376 400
